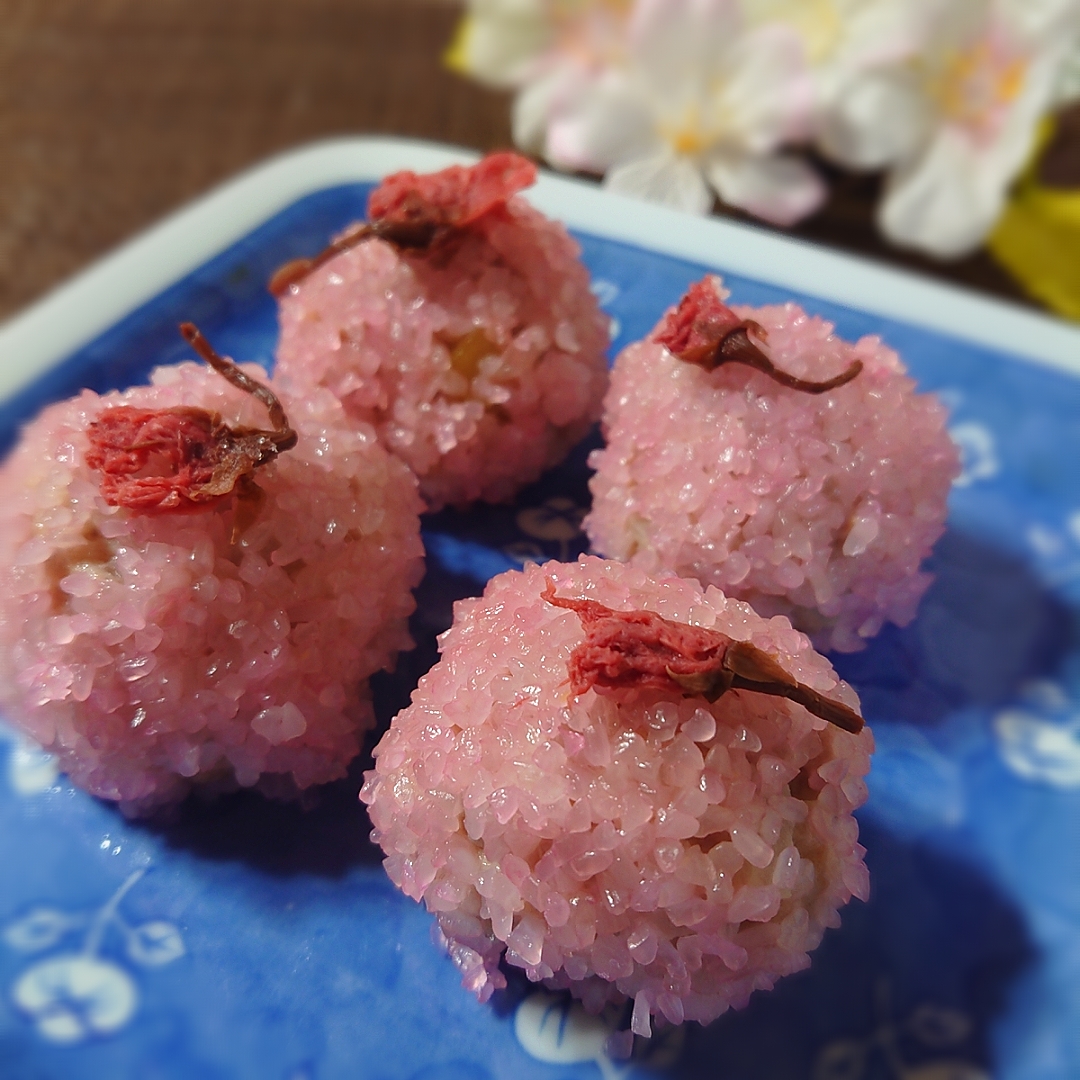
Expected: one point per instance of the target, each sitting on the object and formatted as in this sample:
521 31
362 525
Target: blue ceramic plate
247 939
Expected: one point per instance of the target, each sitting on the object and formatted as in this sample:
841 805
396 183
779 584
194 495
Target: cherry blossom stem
737 348
242 381
416 237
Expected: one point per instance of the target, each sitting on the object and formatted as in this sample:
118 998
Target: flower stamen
975 86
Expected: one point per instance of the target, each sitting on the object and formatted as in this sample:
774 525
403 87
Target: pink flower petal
782 189
666 179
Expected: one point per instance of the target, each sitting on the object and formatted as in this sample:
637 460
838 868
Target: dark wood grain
113 112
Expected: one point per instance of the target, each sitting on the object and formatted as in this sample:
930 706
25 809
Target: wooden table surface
113 112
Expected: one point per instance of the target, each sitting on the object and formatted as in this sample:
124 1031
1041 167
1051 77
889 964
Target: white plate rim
79 310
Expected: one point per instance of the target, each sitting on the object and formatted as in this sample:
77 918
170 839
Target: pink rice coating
817 507
157 654
480 370
630 844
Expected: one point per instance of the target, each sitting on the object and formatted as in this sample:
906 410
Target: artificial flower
700 103
513 43
674 100
847 43
844 36
499 41
590 38
957 122
550 49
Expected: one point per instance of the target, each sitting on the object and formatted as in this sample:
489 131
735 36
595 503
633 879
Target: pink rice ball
480 362
820 507
635 844
151 653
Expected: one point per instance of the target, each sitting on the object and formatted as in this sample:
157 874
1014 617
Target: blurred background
114 112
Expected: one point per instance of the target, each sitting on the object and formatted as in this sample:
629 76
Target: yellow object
456 57
975 85
1037 239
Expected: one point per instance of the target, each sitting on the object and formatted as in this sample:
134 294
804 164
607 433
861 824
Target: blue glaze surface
246 939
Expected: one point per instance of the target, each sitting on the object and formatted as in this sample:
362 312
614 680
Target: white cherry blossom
848 35
550 49
674 100
499 41
955 122
587 38
701 102
845 41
